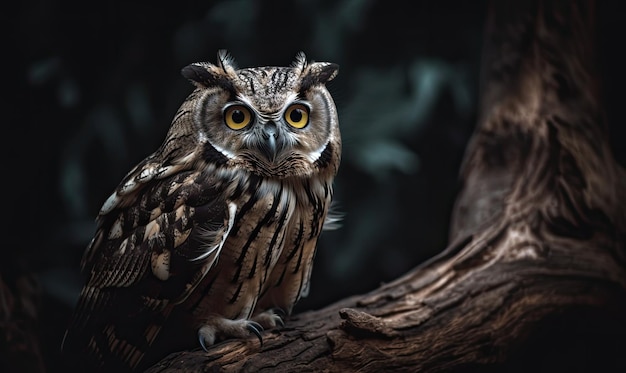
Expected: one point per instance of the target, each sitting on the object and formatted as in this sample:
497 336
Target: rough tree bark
535 276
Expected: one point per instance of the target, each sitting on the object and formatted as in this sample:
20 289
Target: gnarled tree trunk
535 275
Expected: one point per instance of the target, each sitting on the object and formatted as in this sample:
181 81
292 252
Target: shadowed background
100 83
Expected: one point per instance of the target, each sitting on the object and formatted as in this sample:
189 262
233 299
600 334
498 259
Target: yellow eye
297 115
237 117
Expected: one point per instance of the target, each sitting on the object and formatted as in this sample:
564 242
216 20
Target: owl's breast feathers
192 242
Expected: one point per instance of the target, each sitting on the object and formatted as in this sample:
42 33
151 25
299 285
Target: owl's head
275 122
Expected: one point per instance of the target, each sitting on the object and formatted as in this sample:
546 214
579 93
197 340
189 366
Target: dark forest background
92 88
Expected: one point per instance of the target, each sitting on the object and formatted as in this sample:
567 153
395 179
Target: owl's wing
153 245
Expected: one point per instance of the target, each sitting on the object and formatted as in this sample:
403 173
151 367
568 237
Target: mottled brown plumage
213 235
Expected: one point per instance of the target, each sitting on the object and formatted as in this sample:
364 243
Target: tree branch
538 231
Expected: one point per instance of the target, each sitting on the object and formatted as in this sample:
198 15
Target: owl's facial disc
259 132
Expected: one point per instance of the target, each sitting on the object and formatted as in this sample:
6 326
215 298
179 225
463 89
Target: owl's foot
222 328
270 318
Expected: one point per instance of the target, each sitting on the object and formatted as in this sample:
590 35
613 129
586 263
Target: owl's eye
297 115
237 117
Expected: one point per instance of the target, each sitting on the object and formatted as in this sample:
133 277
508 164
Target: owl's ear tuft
300 63
318 73
204 75
200 74
226 61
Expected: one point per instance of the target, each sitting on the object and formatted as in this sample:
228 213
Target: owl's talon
255 328
202 343
206 336
280 312
271 318
221 328
279 316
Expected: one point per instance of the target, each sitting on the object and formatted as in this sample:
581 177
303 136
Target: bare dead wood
538 231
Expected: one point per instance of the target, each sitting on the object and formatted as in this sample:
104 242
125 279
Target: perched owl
212 236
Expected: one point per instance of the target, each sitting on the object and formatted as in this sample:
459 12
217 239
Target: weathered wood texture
536 268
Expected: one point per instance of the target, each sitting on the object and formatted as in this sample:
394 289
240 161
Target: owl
212 236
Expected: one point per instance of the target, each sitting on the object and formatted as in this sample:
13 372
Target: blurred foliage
103 83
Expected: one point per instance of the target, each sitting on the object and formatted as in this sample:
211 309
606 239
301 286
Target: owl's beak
271 144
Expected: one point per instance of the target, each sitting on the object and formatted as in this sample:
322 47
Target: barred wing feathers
152 247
